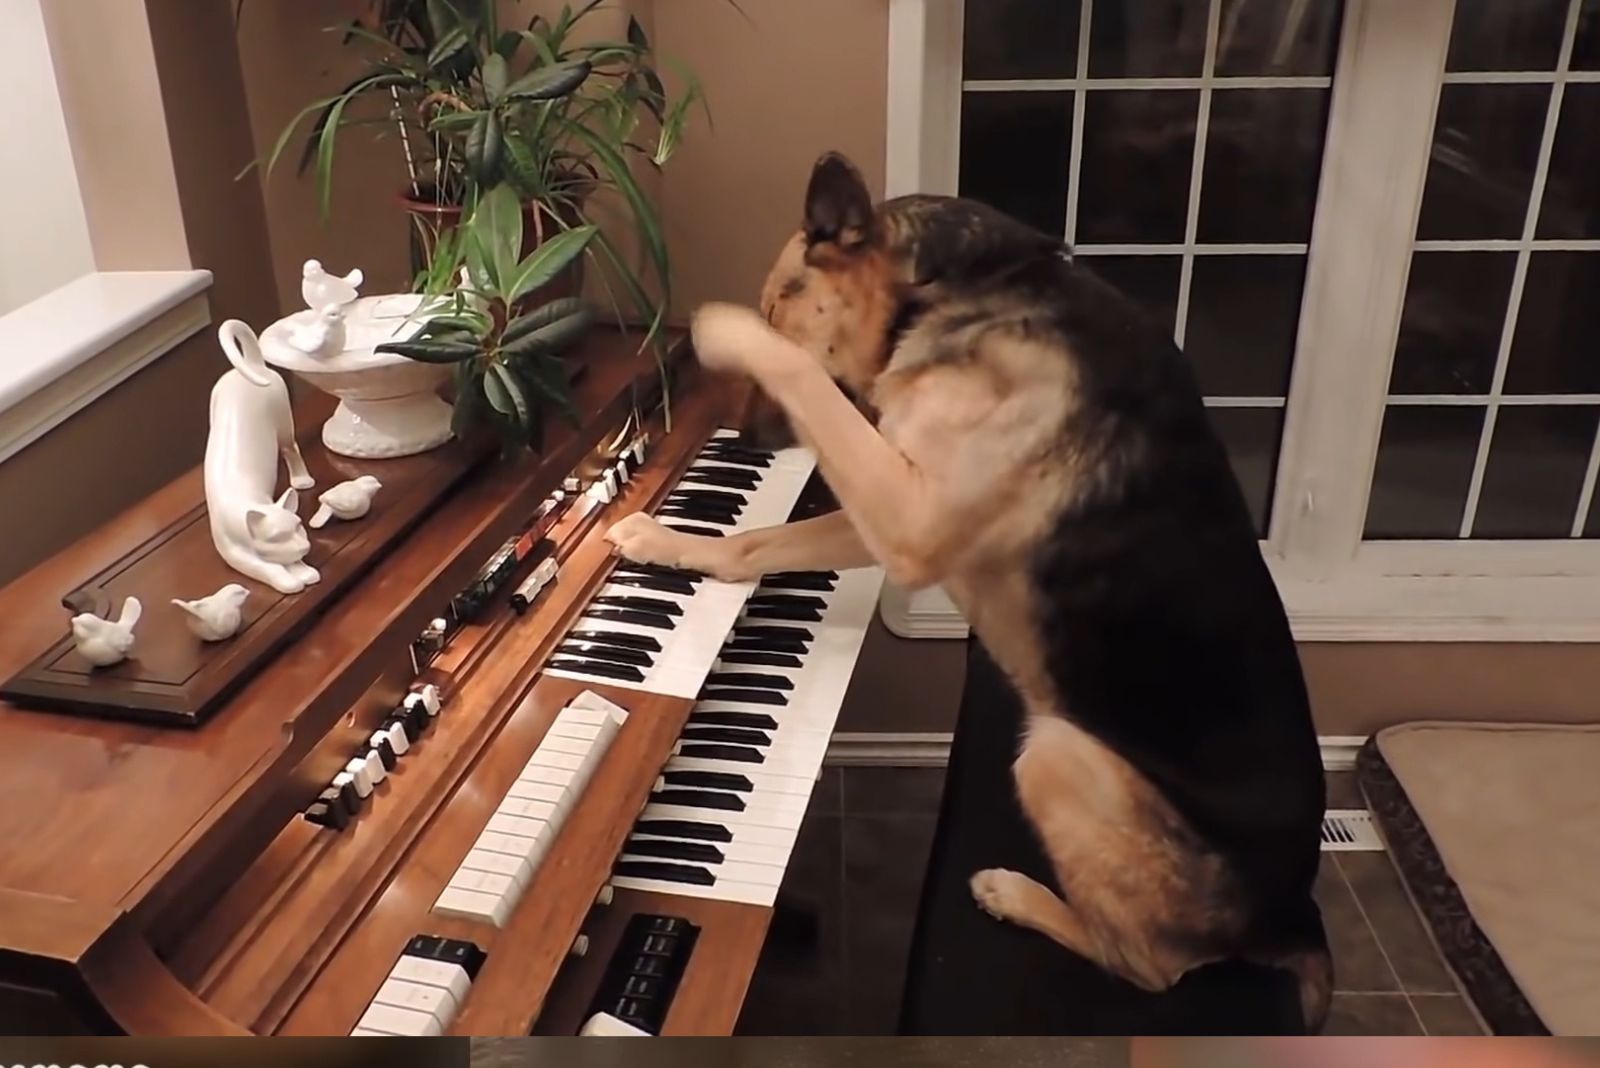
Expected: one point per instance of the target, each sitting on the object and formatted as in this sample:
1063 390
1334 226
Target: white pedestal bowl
388 405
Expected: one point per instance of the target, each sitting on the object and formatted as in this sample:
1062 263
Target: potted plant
508 370
477 103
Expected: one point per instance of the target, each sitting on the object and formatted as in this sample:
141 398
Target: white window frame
1336 586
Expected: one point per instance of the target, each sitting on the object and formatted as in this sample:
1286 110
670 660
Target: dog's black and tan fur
1040 448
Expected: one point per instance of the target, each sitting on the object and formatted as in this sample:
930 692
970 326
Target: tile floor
858 867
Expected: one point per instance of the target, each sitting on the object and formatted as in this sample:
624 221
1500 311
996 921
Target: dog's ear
838 205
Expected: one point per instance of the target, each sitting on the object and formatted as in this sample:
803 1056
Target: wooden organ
490 781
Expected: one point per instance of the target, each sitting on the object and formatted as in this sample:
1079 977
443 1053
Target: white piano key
404 1023
604 1025
520 869
763 781
529 808
566 778
764 818
450 977
373 763
584 717
518 825
513 845
484 882
558 796
552 759
588 700
738 851
473 905
584 748
758 894
404 994
731 871
568 728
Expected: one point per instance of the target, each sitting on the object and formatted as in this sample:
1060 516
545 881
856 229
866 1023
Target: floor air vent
1350 830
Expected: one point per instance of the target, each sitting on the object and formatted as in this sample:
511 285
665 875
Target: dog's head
856 276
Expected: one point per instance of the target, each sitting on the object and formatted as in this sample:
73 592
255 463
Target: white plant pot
388 405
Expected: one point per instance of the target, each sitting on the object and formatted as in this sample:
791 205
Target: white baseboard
932 750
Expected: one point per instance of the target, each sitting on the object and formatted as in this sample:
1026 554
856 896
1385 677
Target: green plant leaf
330 130
432 351
547 261
506 394
636 34
494 77
541 316
549 377
644 214
448 46
547 82
497 223
550 339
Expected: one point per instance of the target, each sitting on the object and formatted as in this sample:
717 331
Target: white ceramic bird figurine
347 500
104 642
216 618
323 335
318 288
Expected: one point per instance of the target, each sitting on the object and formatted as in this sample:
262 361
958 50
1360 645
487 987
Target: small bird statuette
322 336
104 642
216 618
319 288
347 500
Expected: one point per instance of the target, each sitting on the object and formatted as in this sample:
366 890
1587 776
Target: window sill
74 344
1387 608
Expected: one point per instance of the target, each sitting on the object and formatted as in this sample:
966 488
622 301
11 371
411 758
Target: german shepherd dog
993 417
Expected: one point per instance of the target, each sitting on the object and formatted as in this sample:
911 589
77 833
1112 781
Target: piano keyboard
491 878
735 790
659 629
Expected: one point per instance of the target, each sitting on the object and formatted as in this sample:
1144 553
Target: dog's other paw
638 537
999 892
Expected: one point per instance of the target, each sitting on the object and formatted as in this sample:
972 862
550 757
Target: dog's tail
1307 956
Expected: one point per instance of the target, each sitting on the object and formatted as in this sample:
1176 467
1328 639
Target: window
1374 227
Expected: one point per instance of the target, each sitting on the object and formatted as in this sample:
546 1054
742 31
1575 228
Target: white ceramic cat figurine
251 426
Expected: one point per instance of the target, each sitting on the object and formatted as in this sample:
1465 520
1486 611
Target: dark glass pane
1263 159
1557 344
1021 39
1450 330
1147 39
1506 34
1485 145
1570 207
1251 436
1586 47
1278 38
1537 460
1138 148
1016 149
1244 312
1150 280
1425 458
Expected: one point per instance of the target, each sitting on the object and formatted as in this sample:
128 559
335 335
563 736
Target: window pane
1506 34
1147 38
1015 152
1151 281
1450 331
1244 313
1586 47
1279 38
1557 344
1537 460
1020 39
1251 436
1263 159
1425 458
1138 149
1485 145
1571 204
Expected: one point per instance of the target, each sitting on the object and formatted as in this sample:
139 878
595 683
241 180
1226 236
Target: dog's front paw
638 537
999 892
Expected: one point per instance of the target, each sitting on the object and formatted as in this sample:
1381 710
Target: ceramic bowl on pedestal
388 405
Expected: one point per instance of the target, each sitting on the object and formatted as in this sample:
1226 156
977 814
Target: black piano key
758 720
716 470
650 582
733 448
796 580
743 694
632 567
764 645
741 754
757 679
386 754
795 600
627 672
772 630
616 637
695 529
696 851
716 799
711 780
829 576
716 481
329 814
726 735
736 457
617 654
658 605
697 515
755 656
720 498
782 611
705 832
671 873
631 615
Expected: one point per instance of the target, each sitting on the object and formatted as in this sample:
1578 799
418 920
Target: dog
994 418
